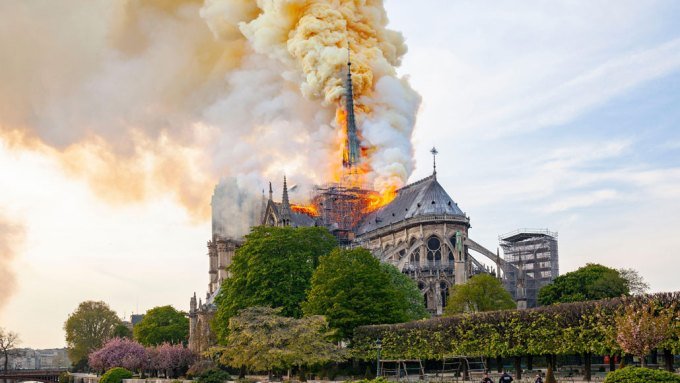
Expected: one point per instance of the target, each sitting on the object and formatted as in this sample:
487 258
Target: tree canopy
590 282
262 340
351 289
272 268
160 325
88 328
482 292
412 299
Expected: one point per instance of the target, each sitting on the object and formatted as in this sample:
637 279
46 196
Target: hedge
641 375
115 375
570 328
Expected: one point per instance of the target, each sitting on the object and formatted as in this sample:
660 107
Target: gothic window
434 249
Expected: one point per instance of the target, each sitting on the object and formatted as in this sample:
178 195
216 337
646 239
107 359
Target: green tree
122 331
162 324
482 292
262 340
590 282
88 328
636 284
407 287
272 268
351 289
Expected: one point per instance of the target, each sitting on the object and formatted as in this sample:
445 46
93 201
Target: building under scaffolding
340 209
531 263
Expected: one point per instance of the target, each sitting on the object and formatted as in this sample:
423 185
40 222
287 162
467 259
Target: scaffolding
341 208
531 262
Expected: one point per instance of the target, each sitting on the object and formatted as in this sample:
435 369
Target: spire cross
434 160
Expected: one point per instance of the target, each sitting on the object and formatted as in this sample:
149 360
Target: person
539 379
486 378
505 378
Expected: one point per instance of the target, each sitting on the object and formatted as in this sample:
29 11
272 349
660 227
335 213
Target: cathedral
422 231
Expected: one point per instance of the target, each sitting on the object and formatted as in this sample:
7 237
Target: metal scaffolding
341 208
531 262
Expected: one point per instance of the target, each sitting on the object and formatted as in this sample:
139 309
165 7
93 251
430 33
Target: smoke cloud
11 238
152 97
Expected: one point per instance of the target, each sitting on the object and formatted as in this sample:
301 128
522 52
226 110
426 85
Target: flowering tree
641 329
171 358
119 352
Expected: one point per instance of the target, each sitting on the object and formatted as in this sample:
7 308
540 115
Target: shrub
64 377
200 367
641 375
115 375
213 376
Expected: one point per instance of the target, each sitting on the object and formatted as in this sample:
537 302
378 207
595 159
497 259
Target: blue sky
560 115
546 114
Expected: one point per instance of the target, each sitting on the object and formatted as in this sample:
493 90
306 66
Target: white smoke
149 97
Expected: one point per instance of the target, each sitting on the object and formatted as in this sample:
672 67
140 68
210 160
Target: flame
378 200
310 210
356 177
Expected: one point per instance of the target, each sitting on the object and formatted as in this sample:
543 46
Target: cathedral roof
296 219
422 198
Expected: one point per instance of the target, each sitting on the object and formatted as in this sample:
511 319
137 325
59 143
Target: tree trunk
643 360
466 372
518 367
242 372
586 366
612 362
530 362
499 363
6 358
655 356
668 360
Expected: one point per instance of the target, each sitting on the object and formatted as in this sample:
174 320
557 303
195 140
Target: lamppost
378 346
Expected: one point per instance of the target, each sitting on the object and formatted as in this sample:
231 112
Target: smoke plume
151 97
11 238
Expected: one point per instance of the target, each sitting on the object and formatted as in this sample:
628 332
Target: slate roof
296 219
422 198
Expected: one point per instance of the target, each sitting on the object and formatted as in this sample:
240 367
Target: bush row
571 328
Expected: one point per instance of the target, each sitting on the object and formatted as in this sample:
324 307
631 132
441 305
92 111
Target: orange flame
378 200
310 210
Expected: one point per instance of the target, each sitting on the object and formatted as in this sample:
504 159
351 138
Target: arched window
434 249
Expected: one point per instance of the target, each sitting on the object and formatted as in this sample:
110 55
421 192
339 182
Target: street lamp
378 346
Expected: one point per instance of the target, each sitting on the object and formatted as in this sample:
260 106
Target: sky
560 115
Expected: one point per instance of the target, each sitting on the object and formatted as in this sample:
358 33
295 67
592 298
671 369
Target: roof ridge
417 183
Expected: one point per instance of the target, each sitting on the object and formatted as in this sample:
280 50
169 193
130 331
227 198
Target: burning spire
350 155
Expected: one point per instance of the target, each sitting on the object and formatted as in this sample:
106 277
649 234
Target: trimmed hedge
641 375
570 328
213 376
115 375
